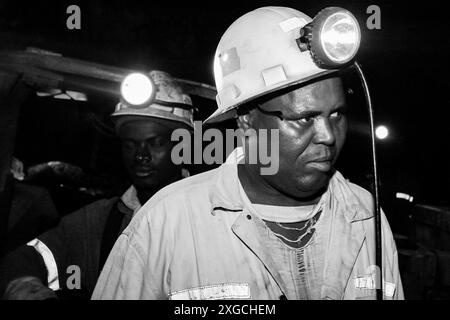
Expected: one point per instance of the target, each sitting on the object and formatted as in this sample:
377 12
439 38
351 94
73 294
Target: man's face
311 135
146 149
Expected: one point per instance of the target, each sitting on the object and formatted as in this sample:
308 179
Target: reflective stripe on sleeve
50 263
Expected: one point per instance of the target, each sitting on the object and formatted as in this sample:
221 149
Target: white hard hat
169 102
259 54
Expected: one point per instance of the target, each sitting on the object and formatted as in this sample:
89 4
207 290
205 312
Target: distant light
79 96
64 95
381 132
401 195
137 89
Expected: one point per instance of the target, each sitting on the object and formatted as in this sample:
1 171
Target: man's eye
306 120
336 115
158 142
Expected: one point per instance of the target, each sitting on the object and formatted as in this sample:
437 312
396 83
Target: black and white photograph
224 150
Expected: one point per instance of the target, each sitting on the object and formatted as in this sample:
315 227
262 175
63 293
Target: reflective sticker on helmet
186 99
229 61
292 23
228 95
273 75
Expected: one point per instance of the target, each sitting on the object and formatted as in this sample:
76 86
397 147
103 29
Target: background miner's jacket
77 240
32 213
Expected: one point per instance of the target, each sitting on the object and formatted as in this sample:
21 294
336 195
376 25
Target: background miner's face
310 141
146 150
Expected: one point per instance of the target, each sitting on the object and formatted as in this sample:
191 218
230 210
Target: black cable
378 241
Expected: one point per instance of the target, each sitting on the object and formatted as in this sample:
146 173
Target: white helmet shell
258 54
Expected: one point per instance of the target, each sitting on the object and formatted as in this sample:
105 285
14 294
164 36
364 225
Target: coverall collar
225 192
129 201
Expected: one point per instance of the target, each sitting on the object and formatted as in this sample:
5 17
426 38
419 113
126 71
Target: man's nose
143 155
324 132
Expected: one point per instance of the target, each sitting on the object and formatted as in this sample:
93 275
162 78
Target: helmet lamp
333 38
137 89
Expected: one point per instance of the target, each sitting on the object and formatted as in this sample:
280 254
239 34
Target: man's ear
245 121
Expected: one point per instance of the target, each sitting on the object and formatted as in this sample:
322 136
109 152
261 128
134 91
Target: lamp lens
381 132
340 37
137 88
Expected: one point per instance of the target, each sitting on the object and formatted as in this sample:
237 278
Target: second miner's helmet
270 48
156 95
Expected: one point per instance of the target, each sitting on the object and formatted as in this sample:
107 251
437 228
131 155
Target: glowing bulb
381 132
137 88
340 37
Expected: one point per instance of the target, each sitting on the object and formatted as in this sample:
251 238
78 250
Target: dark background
406 63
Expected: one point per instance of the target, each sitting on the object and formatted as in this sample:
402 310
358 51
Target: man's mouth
143 173
323 164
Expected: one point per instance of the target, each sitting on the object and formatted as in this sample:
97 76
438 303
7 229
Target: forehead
142 129
318 96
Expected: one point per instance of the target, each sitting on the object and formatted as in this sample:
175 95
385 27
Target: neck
260 192
144 195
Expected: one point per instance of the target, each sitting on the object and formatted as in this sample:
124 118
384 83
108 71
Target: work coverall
196 239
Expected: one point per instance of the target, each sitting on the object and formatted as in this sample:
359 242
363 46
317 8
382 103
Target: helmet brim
230 112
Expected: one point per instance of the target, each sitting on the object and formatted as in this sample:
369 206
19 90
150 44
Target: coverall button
249 217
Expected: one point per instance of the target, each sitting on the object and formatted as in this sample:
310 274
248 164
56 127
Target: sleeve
57 246
398 294
77 241
392 283
137 267
123 274
42 257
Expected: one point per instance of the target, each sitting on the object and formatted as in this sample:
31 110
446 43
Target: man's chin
314 184
146 184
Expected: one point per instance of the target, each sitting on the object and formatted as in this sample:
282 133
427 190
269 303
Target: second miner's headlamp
333 38
137 90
